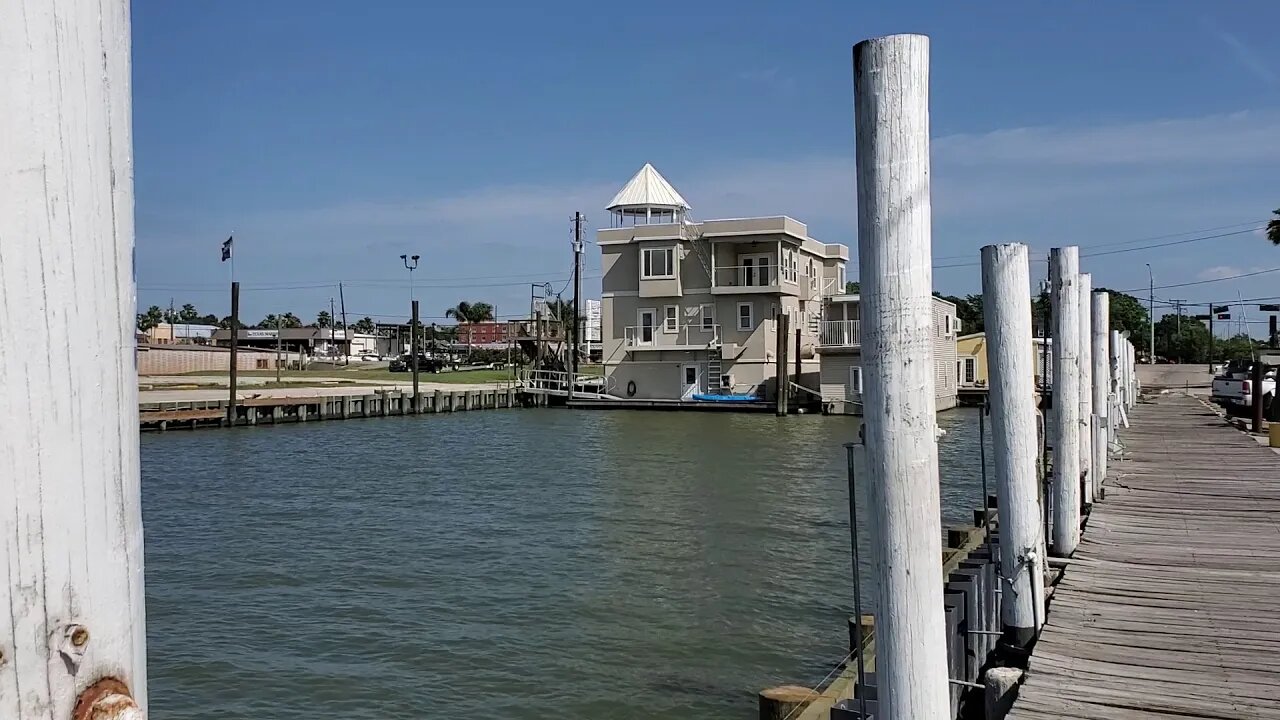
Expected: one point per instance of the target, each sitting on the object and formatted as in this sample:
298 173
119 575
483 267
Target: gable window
746 321
670 319
657 263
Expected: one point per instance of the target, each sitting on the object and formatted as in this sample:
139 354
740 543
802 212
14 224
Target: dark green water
503 564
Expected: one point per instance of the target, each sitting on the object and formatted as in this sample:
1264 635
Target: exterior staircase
714 357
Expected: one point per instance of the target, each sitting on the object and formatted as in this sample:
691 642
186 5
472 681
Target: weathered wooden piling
73 572
1100 309
1065 298
1086 386
1117 380
891 112
1011 370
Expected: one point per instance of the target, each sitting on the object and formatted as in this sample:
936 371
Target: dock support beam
1086 387
1100 309
1007 315
73 595
780 325
1064 279
891 114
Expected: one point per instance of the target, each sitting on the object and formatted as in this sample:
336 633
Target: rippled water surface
503 564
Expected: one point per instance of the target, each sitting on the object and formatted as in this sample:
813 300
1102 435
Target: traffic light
1224 316
1269 308
1200 317
1220 309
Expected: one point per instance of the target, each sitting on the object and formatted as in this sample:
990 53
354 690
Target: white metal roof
648 189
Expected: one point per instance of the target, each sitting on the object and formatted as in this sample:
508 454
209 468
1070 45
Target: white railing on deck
839 333
696 334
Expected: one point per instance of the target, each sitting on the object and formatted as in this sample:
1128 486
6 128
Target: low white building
840 355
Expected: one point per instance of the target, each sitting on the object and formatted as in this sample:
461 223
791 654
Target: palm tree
365 325
1273 228
469 312
323 320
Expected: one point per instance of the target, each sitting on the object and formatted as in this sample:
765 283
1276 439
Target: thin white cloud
1249 58
1219 272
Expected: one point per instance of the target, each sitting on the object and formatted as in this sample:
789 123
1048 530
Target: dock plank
1168 609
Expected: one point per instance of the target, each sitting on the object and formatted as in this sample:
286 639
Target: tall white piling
1086 386
1100 310
891 114
1011 370
72 591
1064 277
1117 389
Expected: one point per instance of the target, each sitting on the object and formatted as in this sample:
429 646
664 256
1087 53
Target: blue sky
332 137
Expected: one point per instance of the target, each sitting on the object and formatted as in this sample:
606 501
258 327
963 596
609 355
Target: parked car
404 363
1233 387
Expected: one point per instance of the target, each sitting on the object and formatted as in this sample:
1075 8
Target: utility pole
1005 278
235 341
333 327
1211 336
1064 265
891 116
278 323
1151 314
780 362
343 305
1272 333
577 295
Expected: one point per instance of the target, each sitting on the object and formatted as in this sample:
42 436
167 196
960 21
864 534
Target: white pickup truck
1233 387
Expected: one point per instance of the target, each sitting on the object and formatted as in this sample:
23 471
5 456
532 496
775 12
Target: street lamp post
411 264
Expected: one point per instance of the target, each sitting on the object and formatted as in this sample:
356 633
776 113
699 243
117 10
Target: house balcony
684 337
836 334
750 279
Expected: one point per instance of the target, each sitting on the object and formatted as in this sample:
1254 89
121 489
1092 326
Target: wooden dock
1170 607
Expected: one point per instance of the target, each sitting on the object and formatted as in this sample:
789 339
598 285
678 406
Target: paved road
1193 378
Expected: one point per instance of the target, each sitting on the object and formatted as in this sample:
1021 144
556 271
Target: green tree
852 287
968 309
290 320
188 313
1128 313
469 312
1273 228
151 318
365 326
561 311
1182 339
1236 346
323 319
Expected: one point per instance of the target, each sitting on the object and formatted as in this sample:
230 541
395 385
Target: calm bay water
504 564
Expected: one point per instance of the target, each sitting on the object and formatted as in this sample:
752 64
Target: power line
1206 282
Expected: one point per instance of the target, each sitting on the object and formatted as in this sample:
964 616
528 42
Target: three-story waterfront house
690 307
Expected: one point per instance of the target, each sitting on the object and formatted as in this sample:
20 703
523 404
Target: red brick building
482 332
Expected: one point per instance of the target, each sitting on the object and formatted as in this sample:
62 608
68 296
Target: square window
657 263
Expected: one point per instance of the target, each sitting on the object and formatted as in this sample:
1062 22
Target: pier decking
1169 606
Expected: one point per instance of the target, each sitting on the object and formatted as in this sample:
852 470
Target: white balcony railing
839 333
684 335
747 276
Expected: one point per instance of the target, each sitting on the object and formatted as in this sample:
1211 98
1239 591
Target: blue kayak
702 397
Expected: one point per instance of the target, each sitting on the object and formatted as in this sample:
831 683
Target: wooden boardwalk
1171 608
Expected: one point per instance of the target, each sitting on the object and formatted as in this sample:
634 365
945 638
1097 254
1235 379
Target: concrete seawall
256 410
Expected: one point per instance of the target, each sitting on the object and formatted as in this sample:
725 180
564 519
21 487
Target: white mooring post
72 593
1065 296
1005 283
1086 386
1100 308
1116 391
891 115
